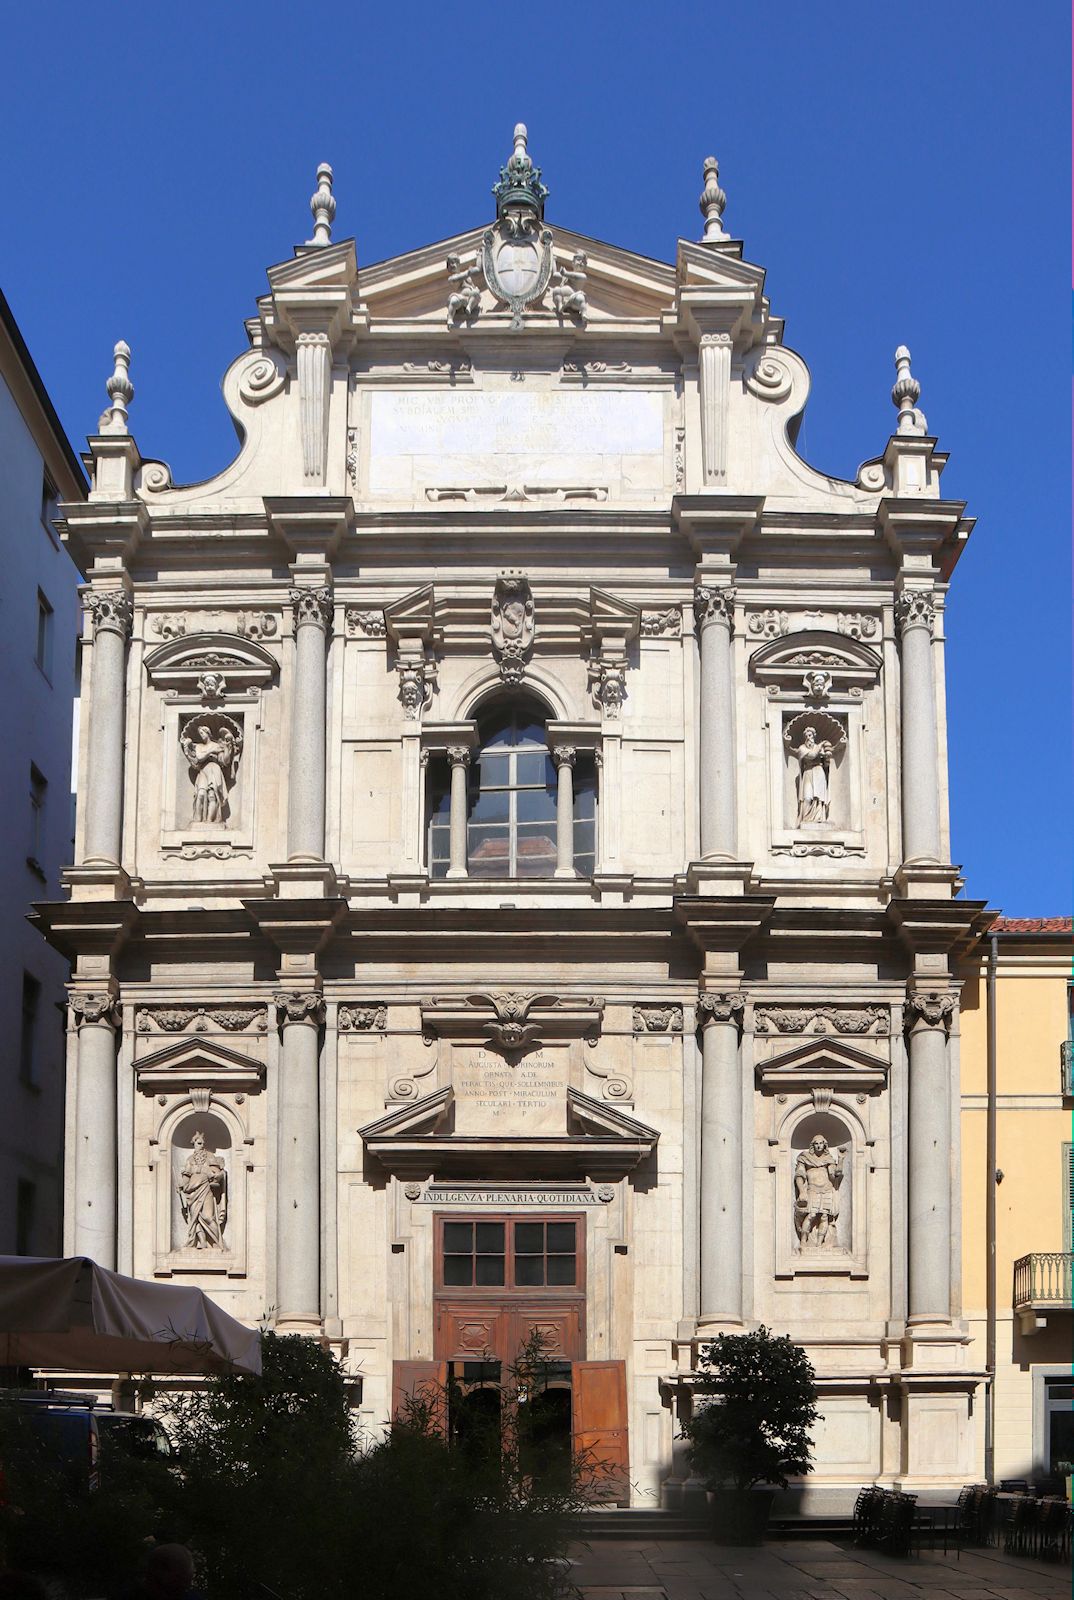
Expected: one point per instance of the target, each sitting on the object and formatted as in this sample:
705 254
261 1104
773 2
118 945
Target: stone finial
905 393
120 392
521 138
712 203
520 189
323 206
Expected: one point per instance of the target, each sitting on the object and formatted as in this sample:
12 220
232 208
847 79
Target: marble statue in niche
211 745
202 1187
818 1177
814 742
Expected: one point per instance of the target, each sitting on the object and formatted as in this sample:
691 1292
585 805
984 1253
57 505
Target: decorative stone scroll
915 608
312 607
95 1008
657 624
299 1006
768 624
712 604
933 1009
177 1019
727 1006
111 610
371 623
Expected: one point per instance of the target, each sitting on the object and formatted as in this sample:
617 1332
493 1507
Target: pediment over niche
181 663
598 1141
847 662
823 1062
191 1062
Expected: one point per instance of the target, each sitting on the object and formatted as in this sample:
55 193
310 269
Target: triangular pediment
598 1117
333 266
823 1060
619 283
415 1118
193 1060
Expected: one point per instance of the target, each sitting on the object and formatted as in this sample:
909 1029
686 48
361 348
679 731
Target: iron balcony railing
1044 1279
1066 1067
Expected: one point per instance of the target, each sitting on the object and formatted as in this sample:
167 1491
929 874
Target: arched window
512 802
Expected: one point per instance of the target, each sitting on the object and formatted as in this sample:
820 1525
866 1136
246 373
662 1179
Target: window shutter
1068 1196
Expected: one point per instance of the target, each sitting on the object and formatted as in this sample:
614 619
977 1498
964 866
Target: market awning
77 1316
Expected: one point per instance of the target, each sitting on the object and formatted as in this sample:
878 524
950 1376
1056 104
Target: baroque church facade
512 883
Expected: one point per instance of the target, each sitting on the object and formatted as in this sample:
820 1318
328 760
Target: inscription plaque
494 1096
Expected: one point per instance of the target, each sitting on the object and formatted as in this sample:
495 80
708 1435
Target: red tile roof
1032 925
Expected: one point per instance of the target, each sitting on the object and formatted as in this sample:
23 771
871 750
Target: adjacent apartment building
512 884
38 643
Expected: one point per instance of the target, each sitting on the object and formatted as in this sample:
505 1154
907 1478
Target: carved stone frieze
680 460
299 1006
168 625
656 624
657 1019
199 1019
371 623
768 624
255 624
512 1021
857 624
362 1018
868 1019
111 611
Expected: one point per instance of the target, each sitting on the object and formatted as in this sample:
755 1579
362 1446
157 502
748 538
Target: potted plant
754 1429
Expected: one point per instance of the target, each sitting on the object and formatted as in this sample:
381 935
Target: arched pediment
179 663
784 661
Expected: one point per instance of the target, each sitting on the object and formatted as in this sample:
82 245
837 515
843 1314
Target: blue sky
902 172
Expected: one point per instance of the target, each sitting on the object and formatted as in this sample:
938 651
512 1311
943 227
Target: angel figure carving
813 785
202 1186
213 753
466 299
568 292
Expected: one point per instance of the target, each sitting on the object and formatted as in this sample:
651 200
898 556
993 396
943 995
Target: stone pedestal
298 1186
94 1143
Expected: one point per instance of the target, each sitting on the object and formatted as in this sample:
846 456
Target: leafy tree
755 1428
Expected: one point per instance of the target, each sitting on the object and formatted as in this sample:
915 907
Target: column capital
708 339
312 606
720 1006
301 1006
564 755
714 603
928 1009
96 1007
458 755
111 610
915 608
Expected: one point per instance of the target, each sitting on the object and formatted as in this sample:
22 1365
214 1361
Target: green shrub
755 1428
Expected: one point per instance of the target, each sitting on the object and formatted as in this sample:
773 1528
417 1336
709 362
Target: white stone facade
516 787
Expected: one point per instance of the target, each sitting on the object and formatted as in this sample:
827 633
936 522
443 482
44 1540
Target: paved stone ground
805 1570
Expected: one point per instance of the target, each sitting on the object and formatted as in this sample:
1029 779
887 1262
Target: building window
43 647
31 1003
25 1207
50 504
512 1253
511 802
38 795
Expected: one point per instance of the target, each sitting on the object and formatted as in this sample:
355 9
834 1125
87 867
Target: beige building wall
1034 1132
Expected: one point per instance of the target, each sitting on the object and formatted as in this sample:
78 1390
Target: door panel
562 1327
468 1332
599 1419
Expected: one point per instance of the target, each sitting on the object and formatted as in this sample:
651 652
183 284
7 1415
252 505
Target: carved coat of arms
517 253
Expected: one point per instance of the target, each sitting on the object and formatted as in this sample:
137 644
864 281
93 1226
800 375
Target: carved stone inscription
492 1096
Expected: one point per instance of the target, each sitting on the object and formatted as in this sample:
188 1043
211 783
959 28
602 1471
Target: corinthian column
914 611
298 1168
721 1157
714 611
928 1017
305 820
112 613
564 757
94 1145
459 760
